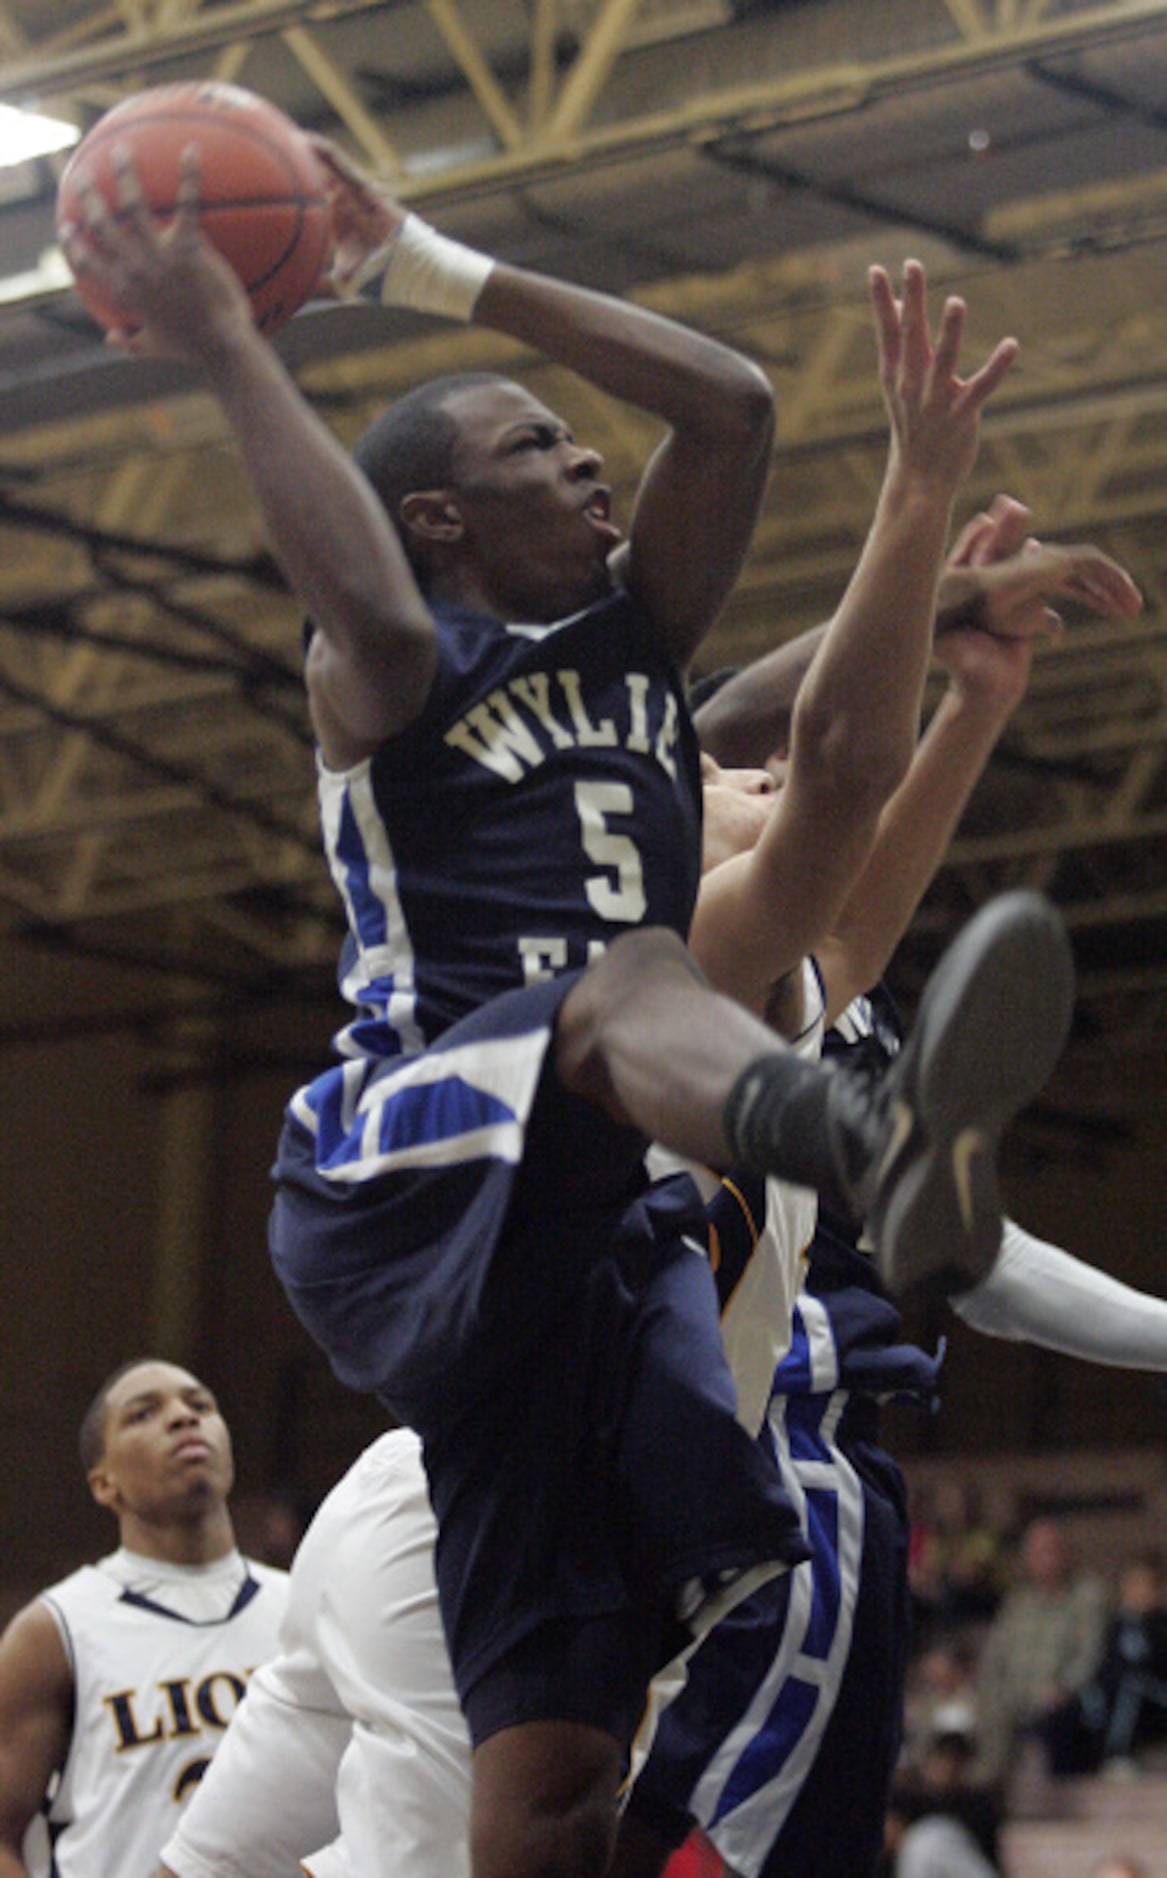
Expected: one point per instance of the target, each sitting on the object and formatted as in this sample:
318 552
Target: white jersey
160 1656
756 1317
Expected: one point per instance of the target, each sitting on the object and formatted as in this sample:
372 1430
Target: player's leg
403 1785
552 1721
835 1826
545 1802
272 1797
644 1036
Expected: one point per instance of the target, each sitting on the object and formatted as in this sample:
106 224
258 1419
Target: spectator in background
1041 1647
955 1560
117 1683
1123 1707
970 1555
942 1697
284 1517
940 1824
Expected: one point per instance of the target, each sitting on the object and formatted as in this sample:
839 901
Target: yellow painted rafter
230 61
543 28
13 38
175 12
137 15
968 17
563 134
338 88
593 63
491 98
83 32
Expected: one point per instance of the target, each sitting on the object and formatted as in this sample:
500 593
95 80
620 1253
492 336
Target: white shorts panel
356 1723
403 1787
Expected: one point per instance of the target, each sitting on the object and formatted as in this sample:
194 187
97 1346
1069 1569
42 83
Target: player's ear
102 1485
433 514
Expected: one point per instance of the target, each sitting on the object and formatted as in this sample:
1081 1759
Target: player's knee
576 1845
544 1803
609 997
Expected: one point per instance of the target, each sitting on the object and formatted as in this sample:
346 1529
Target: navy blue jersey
547 798
450 1220
783 1742
856 1343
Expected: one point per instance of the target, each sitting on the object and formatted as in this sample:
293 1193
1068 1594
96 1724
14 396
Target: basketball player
359 1635
510 800
117 1683
783 1743
359 1692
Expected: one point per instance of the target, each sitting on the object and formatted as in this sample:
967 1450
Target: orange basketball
262 192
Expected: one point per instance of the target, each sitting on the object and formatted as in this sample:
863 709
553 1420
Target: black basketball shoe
916 1148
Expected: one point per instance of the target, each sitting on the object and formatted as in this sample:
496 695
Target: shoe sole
992 1023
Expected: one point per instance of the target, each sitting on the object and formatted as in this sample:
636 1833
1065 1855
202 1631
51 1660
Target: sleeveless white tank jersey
761 1271
160 1657
758 1304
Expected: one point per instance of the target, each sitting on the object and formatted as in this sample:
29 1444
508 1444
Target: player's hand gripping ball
263 197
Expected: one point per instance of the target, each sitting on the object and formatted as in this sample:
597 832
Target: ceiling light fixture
26 134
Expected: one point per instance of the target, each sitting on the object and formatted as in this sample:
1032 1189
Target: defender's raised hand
935 413
999 579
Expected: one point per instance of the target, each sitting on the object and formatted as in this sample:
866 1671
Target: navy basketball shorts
784 1742
477 1247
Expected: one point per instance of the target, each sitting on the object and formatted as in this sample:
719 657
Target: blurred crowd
1028 1664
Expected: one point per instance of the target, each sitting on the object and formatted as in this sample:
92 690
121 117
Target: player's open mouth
598 511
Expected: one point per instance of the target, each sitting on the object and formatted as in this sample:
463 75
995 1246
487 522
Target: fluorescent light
51 274
449 156
26 134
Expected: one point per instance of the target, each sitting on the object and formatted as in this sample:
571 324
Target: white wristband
421 269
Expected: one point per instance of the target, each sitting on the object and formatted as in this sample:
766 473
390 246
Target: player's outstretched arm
1014 581
375 637
699 498
1038 1293
856 718
36 1696
748 718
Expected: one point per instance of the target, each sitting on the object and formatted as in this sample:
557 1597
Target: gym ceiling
736 163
